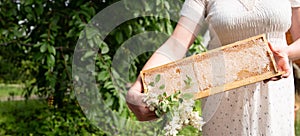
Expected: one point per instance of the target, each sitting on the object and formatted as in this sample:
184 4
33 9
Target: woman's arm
193 12
176 46
292 52
173 49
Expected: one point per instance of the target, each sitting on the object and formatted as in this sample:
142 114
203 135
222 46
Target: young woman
256 109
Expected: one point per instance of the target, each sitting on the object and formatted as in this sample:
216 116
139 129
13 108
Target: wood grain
222 69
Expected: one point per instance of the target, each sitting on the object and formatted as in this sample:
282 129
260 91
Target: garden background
37 42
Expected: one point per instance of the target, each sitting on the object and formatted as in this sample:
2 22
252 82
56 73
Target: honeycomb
222 69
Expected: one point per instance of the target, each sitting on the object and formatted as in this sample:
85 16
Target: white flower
196 121
186 122
151 108
182 114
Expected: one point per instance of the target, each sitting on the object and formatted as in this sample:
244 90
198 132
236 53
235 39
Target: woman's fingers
142 112
273 79
134 100
282 61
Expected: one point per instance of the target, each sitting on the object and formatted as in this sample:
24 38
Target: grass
18 117
36 118
297 120
9 90
297 124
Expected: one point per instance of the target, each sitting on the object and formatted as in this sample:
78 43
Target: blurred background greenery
37 42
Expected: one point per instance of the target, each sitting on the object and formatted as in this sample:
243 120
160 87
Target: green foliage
10 90
37 42
297 123
34 117
167 103
189 131
42 41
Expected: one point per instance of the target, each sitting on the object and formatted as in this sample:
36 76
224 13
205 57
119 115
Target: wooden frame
222 69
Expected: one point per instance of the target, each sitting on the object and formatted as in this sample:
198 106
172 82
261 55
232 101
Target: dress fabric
259 108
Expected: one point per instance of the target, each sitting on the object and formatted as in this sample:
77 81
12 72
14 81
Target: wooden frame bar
222 69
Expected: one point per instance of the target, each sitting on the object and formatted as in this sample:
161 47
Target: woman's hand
173 49
134 100
282 61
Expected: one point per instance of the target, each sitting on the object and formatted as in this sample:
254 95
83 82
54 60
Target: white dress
256 109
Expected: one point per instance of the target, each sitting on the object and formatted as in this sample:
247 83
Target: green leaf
103 75
151 84
157 2
45 35
158 113
188 82
39 9
164 107
162 87
197 106
160 97
91 43
37 45
187 96
108 85
171 98
43 48
51 49
169 28
165 94
147 7
176 94
180 100
28 9
128 31
119 37
104 48
55 20
28 2
50 60
157 78
88 54
167 6
189 78
90 32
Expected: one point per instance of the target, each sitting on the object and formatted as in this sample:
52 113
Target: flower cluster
162 103
181 108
